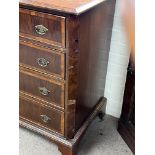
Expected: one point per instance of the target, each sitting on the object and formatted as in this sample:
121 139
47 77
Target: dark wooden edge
63 143
126 134
46 133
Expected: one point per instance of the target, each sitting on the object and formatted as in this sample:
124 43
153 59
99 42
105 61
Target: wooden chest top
69 6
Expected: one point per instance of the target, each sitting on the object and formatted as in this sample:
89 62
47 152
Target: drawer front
42 26
41 115
40 58
50 91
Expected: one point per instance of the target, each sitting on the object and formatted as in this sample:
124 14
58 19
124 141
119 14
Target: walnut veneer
64 50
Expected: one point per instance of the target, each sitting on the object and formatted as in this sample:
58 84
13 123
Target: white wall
117 66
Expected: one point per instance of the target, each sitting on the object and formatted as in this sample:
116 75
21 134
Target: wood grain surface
78 38
32 111
94 37
29 55
31 83
55 26
65 146
68 6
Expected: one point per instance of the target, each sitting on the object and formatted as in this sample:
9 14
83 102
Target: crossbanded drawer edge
48 40
45 106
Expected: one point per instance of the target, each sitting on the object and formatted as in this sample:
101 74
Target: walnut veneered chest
64 49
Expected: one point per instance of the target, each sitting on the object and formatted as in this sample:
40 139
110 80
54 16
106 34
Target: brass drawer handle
44 91
45 118
40 29
42 62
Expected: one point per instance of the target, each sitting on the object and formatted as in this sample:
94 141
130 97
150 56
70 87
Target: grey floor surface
101 138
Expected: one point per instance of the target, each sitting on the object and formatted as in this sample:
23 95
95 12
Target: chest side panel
89 37
95 29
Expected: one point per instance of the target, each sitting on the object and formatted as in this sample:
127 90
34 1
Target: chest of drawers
64 50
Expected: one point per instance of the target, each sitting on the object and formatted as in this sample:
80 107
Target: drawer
41 115
47 90
44 59
42 26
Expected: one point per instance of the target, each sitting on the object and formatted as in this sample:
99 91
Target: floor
101 138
